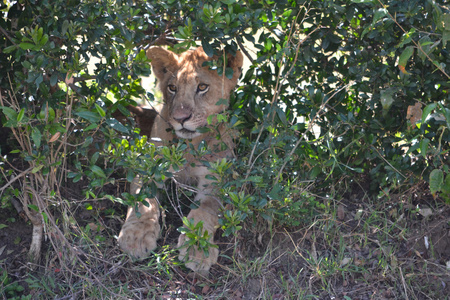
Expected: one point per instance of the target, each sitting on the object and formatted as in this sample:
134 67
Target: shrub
338 93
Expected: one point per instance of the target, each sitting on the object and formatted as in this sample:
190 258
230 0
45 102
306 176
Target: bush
338 94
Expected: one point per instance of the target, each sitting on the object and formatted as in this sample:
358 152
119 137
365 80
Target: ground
395 248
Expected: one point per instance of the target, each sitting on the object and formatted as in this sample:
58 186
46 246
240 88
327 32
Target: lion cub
191 93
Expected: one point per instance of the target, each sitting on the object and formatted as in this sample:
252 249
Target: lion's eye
171 88
202 87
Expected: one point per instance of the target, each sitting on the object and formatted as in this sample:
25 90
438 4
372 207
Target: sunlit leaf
100 110
427 110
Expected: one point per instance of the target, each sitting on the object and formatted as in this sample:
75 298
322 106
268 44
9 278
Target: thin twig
404 283
7 36
12 180
241 46
386 161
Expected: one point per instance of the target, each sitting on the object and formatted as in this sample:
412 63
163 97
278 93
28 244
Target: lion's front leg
139 235
196 259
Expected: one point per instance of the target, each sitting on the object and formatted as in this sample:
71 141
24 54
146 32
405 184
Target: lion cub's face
190 90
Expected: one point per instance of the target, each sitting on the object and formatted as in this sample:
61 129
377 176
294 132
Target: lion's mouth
186 133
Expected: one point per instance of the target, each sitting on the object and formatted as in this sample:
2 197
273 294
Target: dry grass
356 250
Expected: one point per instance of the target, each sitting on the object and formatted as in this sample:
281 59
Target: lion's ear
163 61
235 62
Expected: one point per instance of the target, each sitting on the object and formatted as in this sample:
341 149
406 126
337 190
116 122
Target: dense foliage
338 95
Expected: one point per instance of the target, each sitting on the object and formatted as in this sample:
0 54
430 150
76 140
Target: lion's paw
195 259
138 237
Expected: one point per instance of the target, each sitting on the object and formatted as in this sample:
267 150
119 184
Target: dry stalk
27 177
36 187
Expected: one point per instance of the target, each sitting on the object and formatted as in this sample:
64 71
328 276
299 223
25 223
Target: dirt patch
431 238
15 236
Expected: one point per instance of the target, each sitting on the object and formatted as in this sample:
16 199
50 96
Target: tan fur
190 92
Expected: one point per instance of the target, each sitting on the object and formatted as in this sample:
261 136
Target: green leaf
444 22
268 44
64 27
89 115
386 99
446 112
45 217
446 185
3 226
90 127
380 13
43 40
275 193
424 147
211 177
436 181
39 79
54 79
9 49
203 130
130 175
223 102
33 207
98 171
407 38
100 110
207 48
11 115
71 174
426 46
94 158
229 73
9 112
27 46
37 169
77 178
115 199
116 125
40 32
405 56
36 136
255 179
427 110
282 115
20 115
445 38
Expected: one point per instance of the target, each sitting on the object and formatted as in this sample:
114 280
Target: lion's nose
182 116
